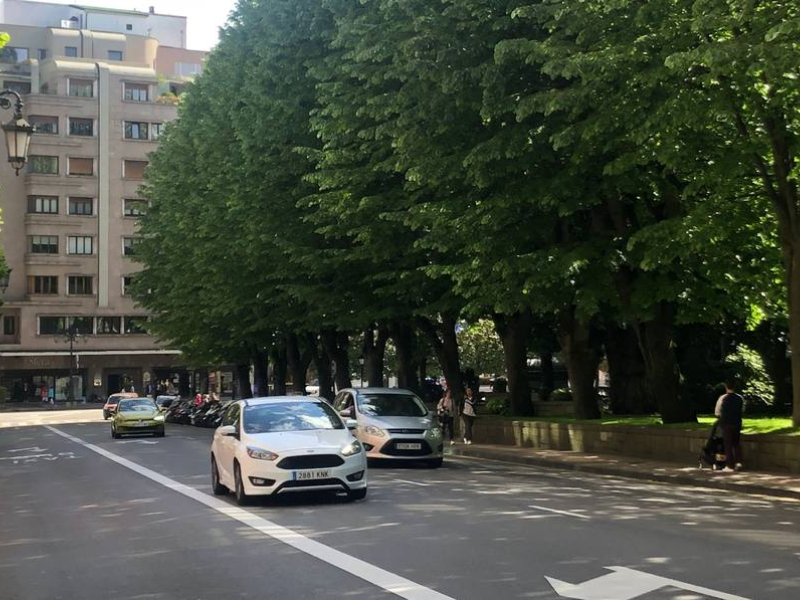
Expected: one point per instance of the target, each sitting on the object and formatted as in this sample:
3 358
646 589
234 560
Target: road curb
715 481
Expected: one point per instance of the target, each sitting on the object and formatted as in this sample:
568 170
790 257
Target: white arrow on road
31 449
624 584
137 442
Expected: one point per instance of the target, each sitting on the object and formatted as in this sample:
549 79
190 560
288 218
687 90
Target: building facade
99 99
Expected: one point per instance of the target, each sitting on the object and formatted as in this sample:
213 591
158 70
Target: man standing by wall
729 412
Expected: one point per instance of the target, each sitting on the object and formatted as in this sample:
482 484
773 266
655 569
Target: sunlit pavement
76 524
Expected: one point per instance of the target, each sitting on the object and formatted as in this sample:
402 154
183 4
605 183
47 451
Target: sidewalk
768 484
45 407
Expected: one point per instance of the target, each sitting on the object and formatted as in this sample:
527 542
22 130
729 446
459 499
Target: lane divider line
381 578
561 512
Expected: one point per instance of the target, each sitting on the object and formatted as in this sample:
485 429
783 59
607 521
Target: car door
226 445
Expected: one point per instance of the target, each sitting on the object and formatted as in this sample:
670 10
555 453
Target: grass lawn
750 425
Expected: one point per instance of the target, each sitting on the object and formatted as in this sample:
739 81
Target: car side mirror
228 430
347 413
351 424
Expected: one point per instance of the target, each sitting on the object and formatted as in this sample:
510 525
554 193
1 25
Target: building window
43 165
21 87
128 246
109 325
129 27
9 326
134 207
135 130
135 325
80 285
133 169
137 92
44 205
127 281
44 244
83 167
80 244
42 54
155 130
71 51
187 69
43 124
115 55
81 88
43 284
52 325
82 127
83 207
13 55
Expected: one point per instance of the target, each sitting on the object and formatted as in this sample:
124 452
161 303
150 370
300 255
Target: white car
393 424
277 445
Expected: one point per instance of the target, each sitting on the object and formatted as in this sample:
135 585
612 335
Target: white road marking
381 578
419 483
624 584
560 512
31 449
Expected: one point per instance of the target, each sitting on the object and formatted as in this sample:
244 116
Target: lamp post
70 336
361 365
17 131
5 280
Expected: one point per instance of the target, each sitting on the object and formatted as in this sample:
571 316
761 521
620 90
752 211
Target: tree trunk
793 261
442 336
404 338
629 390
243 379
423 370
298 364
322 362
260 373
279 369
514 331
337 344
374 350
548 375
582 362
663 379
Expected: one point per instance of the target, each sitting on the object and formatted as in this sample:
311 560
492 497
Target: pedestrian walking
728 411
446 414
468 416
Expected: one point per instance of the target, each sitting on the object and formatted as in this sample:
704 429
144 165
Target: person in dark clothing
729 409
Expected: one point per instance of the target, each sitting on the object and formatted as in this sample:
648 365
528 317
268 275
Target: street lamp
361 364
70 336
17 131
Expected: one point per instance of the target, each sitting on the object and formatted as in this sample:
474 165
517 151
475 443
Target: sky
205 17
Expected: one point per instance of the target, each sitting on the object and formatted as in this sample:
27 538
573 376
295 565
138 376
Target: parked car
137 416
284 444
110 407
392 424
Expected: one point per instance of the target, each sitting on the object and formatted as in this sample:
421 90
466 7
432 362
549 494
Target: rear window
290 416
391 405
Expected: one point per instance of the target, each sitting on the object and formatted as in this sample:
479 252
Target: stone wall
763 452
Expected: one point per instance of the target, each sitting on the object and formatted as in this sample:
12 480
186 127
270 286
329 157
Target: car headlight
352 448
260 454
374 431
158 418
435 432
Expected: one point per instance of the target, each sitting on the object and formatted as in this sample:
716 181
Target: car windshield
290 416
136 405
391 405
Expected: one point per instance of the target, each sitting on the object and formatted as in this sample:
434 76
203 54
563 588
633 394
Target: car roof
381 390
265 400
138 398
124 395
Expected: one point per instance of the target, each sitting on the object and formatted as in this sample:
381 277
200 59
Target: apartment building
98 85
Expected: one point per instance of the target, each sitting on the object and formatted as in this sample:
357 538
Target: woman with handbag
468 416
447 416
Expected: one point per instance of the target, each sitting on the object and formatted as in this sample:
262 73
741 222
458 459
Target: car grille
311 461
407 431
390 448
311 483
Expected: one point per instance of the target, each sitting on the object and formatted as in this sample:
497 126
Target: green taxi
137 416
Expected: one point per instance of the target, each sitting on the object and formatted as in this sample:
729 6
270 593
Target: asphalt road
76 524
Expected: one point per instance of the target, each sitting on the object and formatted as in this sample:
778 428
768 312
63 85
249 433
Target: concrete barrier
765 452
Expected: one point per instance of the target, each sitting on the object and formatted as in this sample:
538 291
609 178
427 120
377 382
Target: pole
70 391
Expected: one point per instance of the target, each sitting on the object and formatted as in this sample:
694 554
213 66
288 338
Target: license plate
406 446
308 475
140 424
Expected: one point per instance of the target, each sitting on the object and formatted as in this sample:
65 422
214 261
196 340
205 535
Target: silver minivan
392 424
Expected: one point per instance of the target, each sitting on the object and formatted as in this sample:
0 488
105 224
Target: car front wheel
357 494
216 485
114 433
241 496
